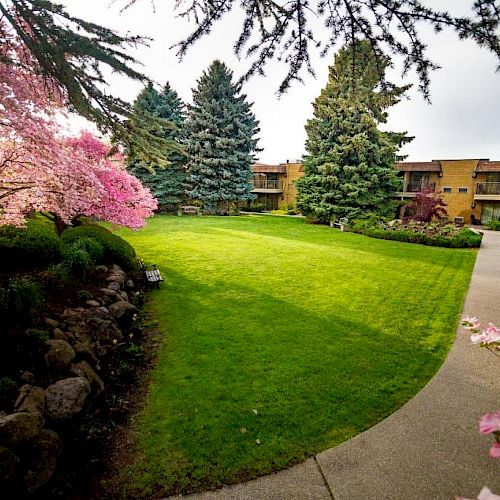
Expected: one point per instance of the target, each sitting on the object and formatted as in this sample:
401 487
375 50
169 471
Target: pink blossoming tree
42 170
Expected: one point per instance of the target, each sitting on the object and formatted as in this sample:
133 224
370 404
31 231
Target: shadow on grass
314 381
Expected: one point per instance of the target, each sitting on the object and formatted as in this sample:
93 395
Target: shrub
254 207
35 245
494 225
93 247
55 277
78 262
116 249
37 336
19 298
464 239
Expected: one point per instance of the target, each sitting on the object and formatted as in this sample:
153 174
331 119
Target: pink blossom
495 450
479 338
484 494
471 323
42 170
490 422
492 334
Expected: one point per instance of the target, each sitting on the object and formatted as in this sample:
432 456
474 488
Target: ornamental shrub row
464 239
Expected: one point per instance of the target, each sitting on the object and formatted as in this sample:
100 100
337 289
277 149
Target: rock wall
53 401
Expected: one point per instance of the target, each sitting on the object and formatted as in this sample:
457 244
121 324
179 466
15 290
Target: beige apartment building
470 188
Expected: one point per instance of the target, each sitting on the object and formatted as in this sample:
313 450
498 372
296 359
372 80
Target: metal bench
340 224
151 274
190 210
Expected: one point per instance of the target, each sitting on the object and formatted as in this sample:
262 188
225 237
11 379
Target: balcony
413 187
488 191
267 186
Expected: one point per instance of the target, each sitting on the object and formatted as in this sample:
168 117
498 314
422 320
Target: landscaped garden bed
281 339
71 344
439 234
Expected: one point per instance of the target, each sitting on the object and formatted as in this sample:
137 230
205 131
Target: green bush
116 249
93 247
55 277
494 225
465 239
19 298
35 245
78 262
254 207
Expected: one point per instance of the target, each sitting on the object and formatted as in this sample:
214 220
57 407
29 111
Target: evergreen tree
166 184
220 142
349 169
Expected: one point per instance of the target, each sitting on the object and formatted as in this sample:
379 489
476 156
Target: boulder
130 284
117 274
8 464
93 303
101 269
51 322
43 460
102 326
85 352
124 295
114 285
28 378
123 312
30 400
83 369
19 428
92 325
60 354
58 334
66 398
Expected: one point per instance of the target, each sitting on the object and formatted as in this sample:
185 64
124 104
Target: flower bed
438 234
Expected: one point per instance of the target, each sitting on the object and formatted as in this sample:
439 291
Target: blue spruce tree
221 143
349 168
166 184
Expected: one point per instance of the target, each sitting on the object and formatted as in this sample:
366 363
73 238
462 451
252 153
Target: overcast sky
462 122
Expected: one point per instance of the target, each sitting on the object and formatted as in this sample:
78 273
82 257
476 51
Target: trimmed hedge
465 239
36 245
116 249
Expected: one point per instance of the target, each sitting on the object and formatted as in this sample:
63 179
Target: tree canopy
70 55
349 168
287 30
220 140
166 184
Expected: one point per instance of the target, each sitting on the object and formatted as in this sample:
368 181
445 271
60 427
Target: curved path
428 449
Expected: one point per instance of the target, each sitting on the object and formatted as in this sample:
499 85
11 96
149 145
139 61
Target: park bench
190 210
151 274
341 224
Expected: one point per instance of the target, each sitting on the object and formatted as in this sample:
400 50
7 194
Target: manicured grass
282 339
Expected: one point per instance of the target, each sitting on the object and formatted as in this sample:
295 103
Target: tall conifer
166 184
220 141
349 168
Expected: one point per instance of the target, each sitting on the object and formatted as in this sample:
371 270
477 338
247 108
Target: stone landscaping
64 382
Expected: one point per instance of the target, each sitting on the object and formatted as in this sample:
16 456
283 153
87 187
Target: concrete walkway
430 448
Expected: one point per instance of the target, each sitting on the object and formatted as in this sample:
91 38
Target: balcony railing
266 184
415 187
488 188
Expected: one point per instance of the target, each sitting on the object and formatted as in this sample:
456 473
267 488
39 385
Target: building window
462 190
447 190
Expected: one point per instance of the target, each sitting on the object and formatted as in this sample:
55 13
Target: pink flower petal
495 451
490 422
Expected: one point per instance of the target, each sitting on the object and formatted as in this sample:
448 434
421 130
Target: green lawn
282 339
